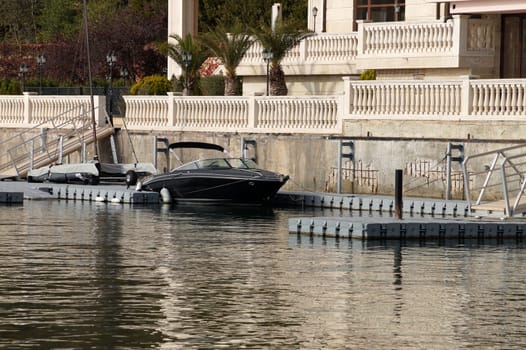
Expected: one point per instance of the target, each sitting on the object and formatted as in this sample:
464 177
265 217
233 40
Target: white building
400 39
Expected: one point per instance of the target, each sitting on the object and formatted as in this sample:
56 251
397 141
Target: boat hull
218 188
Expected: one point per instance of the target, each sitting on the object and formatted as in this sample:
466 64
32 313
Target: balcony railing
320 48
387 45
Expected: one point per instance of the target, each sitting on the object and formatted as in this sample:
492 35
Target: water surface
104 276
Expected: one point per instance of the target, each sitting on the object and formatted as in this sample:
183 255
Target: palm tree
230 49
279 42
189 54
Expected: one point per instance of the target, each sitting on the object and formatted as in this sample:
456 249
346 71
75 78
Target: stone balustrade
234 114
495 99
404 37
464 99
501 97
31 110
405 98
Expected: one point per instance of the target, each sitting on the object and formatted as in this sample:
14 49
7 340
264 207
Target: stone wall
312 161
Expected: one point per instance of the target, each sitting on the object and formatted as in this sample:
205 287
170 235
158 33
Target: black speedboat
217 180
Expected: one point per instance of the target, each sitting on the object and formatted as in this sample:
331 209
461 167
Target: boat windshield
242 163
219 163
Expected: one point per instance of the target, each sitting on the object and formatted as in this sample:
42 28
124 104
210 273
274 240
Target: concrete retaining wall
312 161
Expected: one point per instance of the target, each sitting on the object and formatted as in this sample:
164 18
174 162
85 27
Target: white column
182 19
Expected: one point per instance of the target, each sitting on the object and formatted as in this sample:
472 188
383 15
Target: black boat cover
189 144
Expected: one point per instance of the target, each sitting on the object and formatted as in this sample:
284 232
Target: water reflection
79 275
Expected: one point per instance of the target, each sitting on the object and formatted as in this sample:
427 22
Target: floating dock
373 203
14 192
422 229
423 219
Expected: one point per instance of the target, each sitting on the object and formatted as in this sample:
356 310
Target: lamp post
41 60
23 71
314 14
267 57
124 74
111 59
186 56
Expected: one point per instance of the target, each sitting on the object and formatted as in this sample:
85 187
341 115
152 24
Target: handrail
19 156
503 159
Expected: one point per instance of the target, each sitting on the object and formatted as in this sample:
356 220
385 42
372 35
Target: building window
380 10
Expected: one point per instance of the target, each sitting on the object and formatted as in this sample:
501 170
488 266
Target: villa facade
399 39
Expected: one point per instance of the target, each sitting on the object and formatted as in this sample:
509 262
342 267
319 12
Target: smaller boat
90 173
217 180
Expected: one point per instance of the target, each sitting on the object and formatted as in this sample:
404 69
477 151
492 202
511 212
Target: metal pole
339 184
111 89
40 78
83 152
398 193
155 152
60 149
448 171
92 100
32 155
268 77
186 79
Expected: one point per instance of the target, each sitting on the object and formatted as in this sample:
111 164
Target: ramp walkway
49 141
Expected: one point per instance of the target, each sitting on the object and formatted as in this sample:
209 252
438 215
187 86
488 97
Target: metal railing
505 167
34 148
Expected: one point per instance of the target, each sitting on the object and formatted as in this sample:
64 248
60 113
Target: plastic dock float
380 204
109 194
11 197
423 229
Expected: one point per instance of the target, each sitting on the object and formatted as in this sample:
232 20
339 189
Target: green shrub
9 87
213 85
369 74
151 85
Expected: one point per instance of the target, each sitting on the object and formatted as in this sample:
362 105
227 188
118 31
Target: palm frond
229 47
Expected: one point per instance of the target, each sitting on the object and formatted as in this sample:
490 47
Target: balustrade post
303 50
27 108
361 37
466 97
347 96
342 103
171 109
253 112
100 110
